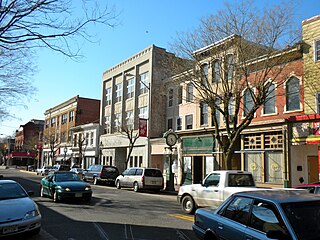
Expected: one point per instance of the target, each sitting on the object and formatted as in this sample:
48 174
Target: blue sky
142 23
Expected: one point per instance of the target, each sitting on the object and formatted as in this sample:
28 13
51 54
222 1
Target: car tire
41 192
95 181
210 236
118 186
55 197
188 205
135 187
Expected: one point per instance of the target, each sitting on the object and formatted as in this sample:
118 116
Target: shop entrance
197 169
313 172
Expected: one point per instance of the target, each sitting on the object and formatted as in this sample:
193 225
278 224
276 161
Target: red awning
23 154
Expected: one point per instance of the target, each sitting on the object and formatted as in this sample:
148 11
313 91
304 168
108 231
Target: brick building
58 122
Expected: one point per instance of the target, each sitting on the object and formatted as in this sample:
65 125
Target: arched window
270 99
189 92
293 94
204 76
248 101
229 67
216 71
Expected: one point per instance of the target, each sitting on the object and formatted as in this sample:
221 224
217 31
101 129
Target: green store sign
198 145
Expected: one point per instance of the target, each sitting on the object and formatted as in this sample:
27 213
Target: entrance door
197 169
313 172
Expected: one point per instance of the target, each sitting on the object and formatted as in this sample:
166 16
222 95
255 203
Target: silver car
18 212
140 178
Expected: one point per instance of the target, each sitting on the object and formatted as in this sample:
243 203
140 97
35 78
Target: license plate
10 229
78 194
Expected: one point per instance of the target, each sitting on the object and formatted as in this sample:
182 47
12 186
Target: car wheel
210 236
136 187
187 204
95 181
55 197
118 184
41 192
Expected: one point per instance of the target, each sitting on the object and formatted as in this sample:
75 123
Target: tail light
101 174
142 180
162 183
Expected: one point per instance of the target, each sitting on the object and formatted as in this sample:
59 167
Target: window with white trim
317 50
129 118
203 113
144 82
293 94
170 124
143 112
179 123
248 101
170 98
130 87
107 122
180 88
189 92
117 122
71 116
229 67
216 71
204 75
64 118
108 96
118 92
189 121
270 99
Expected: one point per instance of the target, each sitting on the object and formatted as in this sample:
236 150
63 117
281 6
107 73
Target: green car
65 185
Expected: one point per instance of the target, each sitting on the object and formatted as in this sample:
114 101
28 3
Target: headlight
87 189
68 189
32 214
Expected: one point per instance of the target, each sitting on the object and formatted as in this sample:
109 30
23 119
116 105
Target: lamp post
171 139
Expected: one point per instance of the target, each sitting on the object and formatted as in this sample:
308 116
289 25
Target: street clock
171 137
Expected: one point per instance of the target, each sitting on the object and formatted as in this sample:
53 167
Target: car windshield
240 180
153 173
10 191
304 219
66 177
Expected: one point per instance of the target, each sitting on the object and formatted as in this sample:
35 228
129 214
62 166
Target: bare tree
53 143
27 25
133 136
82 146
244 48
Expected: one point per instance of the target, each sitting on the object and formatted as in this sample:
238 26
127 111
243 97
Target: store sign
143 127
316 128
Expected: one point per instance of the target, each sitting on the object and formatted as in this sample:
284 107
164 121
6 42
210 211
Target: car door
47 185
88 173
210 194
130 178
123 177
233 223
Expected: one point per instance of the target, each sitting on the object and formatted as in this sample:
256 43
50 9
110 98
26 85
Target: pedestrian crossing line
184 217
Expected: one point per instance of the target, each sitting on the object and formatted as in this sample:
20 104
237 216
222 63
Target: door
197 169
313 172
210 194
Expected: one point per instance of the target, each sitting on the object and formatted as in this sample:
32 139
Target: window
91 138
143 112
129 118
204 114
170 98
216 71
53 122
317 50
179 94
189 121
248 101
204 74
189 92
230 109
144 82
212 180
87 139
130 87
71 116
229 67
238 210
118 92
108 96
75 140
270 99
293 94
262 223
47 123
318 102
179 123
170 124
63 137
107 124
64 118
117 122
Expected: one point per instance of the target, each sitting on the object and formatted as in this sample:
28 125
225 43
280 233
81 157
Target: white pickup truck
215 188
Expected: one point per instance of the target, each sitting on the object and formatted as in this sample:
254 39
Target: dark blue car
264 214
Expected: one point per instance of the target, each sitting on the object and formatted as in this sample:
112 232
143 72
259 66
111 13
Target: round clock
171 139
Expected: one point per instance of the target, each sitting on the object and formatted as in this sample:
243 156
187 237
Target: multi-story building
132 90
58 122
262 147
85 145
28 141
304 129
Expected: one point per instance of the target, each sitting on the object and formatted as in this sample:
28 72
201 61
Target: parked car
140 178
32 167
44 170
78 171
18 212
261 215
215 188
101 173
60 167
311 187
62 185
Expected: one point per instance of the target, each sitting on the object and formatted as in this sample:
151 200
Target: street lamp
171 139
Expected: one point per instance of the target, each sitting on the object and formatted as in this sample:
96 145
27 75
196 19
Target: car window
67 177
10 191
139 172
110 169
64 168
152 173
317 190
132 171
304 218
238 209
90 168
212 180
240 180
265 217
126 172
